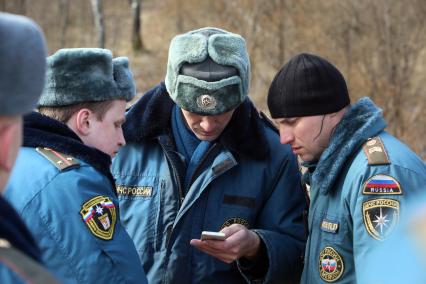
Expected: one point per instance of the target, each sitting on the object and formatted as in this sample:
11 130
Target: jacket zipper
175 173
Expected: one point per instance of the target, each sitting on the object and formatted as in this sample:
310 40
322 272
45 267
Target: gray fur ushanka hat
79 75
208 71
22 64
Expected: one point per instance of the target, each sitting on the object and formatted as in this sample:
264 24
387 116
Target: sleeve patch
382 185
99 215
381 216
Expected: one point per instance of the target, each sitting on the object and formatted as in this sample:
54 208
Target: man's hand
239 242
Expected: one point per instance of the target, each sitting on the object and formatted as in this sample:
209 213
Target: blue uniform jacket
71 211
356 205
246 177
15 235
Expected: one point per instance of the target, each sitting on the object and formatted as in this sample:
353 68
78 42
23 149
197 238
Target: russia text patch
138 191
383 185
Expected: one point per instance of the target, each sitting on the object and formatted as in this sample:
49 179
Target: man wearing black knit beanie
360 177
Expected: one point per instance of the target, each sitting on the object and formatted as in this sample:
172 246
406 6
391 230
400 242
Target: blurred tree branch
99 21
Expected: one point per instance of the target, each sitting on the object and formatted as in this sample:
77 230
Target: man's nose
207 123
121 139
286 135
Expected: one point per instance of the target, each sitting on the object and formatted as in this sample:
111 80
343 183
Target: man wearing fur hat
69 202
200 158
360 176
22 71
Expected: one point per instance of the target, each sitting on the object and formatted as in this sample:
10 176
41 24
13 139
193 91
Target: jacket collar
362 121
43 131
151 117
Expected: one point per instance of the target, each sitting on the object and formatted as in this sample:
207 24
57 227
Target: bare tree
22 7
64 19
99 22
179 15
137 43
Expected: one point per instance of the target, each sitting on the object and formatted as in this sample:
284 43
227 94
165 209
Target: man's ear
83 121
7 134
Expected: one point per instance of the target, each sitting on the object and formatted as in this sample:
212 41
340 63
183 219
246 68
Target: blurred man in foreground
22 73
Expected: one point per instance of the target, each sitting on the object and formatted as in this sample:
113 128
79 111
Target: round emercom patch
235 220
330 264
206 102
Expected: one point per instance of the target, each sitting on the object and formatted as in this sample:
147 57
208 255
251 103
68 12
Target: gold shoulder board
61 161
376 152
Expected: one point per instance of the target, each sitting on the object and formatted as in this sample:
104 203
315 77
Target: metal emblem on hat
331 264
99 215
380 217
206 102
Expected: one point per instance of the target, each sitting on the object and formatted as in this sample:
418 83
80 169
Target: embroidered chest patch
380 217
329 226
331 264
383 185
235 220
99 215
135 191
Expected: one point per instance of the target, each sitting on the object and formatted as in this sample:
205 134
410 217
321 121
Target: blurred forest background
379 45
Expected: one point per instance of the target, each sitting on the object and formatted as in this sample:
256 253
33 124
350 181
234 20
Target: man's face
308 136
207 128
107 134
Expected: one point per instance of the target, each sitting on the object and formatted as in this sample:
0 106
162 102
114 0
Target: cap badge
206 102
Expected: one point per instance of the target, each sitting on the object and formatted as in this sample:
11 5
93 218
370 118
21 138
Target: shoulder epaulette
61 161
375 152
268 121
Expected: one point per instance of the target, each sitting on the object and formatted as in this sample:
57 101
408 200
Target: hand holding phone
217 236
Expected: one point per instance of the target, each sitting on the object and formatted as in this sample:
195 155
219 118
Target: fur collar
151 117
42 131
362 121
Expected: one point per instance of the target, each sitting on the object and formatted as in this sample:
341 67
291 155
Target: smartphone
217 236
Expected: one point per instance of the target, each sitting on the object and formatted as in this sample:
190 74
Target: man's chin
206 137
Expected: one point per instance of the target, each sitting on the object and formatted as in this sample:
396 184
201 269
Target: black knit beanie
307 85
